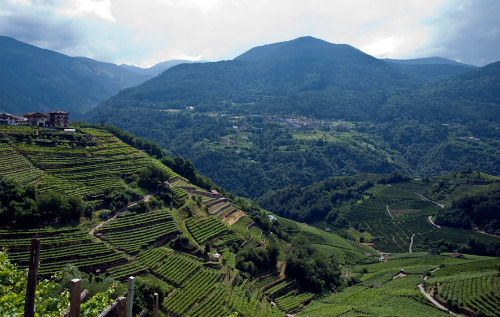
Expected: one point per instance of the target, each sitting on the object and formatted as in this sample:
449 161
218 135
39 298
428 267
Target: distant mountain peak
302 48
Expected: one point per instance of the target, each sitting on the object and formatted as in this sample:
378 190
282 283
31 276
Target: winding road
432 222
435 302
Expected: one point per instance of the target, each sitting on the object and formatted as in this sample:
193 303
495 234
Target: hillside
171 239
431 69
303 75
394 214
157 69
34 79
317 109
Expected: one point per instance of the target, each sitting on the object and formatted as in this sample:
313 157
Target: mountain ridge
36 79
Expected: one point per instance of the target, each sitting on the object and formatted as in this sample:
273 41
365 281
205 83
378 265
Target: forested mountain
156 69
431 68
34 79
306 76
297 112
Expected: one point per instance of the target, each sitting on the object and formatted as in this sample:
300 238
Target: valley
211 257
301 178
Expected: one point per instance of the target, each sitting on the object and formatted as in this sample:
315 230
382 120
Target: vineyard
392 216
73 163
174 244
134 233
469 286
205 229
59 248
390 288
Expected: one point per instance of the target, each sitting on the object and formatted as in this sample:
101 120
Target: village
53 119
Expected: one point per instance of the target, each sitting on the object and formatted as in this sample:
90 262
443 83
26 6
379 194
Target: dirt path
145 198
388 211
435 302
232 219
419 194
432 222
411 243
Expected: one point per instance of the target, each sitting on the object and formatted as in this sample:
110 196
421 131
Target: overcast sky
145 32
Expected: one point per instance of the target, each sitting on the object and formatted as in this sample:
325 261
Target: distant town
52 119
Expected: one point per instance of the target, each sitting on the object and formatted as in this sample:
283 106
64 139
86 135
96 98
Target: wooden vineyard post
122 307
74 298
155 307
29 304
130 296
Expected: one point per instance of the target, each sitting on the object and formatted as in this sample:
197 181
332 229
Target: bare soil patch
234 217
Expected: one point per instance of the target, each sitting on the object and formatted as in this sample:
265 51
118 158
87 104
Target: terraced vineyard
60 161
60 247
205 229
469 285
382 293
177 268
16 166
199 285
134 233
253 305
292 300
393 215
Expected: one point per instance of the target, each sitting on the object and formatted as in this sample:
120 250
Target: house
37 119
455 255
59 118
7 119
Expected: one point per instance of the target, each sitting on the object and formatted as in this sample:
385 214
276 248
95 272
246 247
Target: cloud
150 31
36 25
466 31
85 8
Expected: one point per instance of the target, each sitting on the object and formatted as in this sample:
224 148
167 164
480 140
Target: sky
145 32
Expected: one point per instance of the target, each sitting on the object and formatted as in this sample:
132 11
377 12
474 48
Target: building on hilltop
7 119
37 119
59 118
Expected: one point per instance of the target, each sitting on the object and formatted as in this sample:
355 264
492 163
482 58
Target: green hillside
84 178
393 214
432 68
76 183
316 109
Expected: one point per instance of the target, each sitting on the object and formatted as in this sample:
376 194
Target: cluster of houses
54 119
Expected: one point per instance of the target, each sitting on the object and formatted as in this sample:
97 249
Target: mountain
427 61
156 69
300 111
35 79
431 68
465 98
307 76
